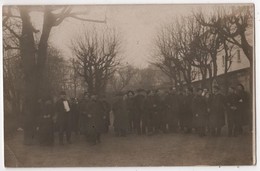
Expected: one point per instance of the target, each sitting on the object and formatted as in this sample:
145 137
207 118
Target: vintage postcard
129 85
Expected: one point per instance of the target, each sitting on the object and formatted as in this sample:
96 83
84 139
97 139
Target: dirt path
133 150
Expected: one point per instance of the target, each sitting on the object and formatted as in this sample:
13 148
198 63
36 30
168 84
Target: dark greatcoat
171 104
244 108
94 117
138 101
83 110
105 116
63 117
63 121
156 107
199 111
120 115
217 111
232 114
186 111
130 112
46 125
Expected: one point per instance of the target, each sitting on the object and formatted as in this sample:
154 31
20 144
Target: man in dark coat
174 110
217 112
120 115
83 110
199 112
244 116
130 109
156 107
105 114
232 117
46 126
94 120
186 110
75 115
63 118
138 109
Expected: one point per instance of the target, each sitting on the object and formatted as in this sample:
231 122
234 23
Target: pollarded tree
96 57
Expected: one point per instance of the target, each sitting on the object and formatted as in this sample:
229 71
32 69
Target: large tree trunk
28 50
33 62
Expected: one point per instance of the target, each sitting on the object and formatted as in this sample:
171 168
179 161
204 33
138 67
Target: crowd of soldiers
145 113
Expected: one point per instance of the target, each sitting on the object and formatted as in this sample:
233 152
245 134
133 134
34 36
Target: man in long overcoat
46 126
217 112
138 109
131 110
83 117
63 118
232 117
105 114
186 110
244 113
120 115
94 120
199 112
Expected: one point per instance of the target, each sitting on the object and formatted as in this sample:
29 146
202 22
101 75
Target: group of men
147 112
150 112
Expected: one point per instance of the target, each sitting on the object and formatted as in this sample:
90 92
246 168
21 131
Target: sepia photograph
128 85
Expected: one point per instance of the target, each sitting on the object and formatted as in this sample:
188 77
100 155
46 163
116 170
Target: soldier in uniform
217 112
120 115
63 118
138 109
174 106
155 105
130 109
186 110
244 115
94 120
83 110
232 105
182 109
105 114
75 115
199 112
146 114
46 126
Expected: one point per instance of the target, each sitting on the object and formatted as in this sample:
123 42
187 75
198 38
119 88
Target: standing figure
244 116
74 115
46 126
83 117
232 117
130 109
217 112
138 109
186 111
156 118
120 115
199 112
105 114
94 120
63 118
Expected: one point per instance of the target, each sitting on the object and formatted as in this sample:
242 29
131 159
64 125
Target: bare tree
96 57
122 77
33 55
233 24
173 46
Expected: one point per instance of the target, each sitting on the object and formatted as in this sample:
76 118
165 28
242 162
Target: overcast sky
137 26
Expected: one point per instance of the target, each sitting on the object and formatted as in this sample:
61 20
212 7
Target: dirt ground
157 150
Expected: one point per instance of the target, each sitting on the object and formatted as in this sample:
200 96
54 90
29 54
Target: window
223 61
238 56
